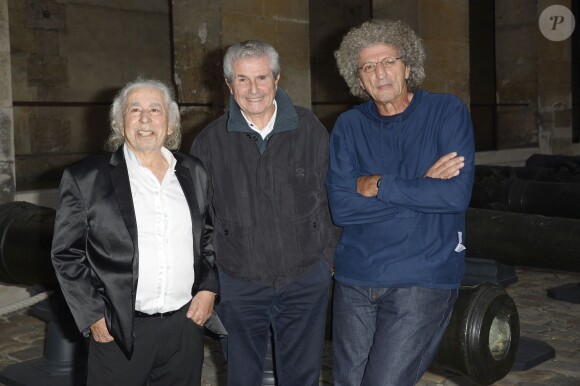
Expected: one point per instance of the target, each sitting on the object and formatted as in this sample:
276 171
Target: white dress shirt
165 237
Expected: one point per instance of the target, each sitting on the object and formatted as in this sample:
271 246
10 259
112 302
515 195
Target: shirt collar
269 126
133 160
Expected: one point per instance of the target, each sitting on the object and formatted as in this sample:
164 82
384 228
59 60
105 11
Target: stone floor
556 323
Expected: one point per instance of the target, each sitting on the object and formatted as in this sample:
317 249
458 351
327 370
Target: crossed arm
446 167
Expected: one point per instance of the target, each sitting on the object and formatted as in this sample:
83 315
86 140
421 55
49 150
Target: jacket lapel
122 187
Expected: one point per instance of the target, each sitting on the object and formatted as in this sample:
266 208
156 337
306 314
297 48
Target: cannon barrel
523 239
554 161
504 189
25 242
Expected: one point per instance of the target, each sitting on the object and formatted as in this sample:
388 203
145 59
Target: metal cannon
527 216
540 191
480 343
523 239
25 240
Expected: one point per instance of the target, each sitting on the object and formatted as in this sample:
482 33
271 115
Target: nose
144 117
253 87
380 71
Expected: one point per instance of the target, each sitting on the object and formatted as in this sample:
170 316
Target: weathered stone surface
193 120
5 79
6 135
4 22
292 45
7 185
197 52
296 10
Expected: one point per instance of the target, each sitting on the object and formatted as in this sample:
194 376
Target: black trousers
168 352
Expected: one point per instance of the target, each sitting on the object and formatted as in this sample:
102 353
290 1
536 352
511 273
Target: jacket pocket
309 233
233 246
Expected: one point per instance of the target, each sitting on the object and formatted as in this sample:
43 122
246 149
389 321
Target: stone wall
516 55
442 24
533 81
554 94
68 60
201 34
7 184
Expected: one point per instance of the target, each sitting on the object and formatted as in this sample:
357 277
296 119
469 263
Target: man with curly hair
399 183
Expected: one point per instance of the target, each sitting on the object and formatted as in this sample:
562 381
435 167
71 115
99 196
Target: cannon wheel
482 338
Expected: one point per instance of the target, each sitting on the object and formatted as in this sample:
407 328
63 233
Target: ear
229 87
407 71
276 81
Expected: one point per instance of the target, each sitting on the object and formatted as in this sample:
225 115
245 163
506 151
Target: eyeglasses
386 63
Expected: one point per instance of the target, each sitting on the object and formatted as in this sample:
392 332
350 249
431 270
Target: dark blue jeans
387 336
297 314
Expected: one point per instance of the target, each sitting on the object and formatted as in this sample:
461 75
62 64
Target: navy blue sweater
412 233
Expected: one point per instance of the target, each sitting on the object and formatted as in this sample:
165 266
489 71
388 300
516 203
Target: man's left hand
446 167
367 185
201 307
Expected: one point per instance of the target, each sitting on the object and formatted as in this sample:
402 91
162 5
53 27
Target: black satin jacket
95 247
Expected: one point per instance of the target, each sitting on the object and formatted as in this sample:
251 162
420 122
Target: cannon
25 241
528 216
525 190
523 239
480 343
25 235
569 163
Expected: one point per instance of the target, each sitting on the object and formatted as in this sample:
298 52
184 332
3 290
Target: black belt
140 314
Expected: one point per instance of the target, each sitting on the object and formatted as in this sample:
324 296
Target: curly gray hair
250 49
116 138
380 31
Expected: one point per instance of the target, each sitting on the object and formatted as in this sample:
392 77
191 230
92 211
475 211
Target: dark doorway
482 79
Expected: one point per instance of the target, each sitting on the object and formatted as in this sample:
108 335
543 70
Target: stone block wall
203 32
68 59
442 24
554 94
7 183
61 62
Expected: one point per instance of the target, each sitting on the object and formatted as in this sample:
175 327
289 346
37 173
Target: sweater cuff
384 192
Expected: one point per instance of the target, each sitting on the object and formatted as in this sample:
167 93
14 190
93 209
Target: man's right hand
446 167
100 331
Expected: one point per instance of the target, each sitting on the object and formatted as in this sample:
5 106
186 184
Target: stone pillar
554 90
284 25
7 180
516 73
197 52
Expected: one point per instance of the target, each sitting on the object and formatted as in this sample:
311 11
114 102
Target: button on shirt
165 237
